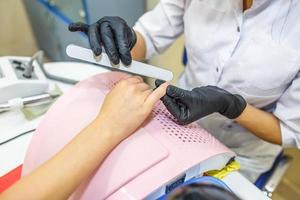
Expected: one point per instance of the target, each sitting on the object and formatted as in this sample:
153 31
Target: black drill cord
16 137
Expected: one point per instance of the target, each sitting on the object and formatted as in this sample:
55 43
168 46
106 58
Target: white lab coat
255 53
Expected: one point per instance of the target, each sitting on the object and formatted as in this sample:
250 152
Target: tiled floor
16 39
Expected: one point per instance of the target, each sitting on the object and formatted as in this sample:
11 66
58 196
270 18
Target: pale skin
262 124
124 109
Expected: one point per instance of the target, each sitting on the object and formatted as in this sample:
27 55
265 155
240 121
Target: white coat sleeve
161 26
288 112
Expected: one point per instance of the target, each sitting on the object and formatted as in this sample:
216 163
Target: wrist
105 130
109 129
243 115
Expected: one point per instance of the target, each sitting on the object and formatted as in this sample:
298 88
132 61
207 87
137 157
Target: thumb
79 26
156 94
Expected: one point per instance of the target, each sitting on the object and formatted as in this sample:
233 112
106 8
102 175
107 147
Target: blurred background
30 25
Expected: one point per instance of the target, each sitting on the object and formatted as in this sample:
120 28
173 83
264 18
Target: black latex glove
189 106
111 32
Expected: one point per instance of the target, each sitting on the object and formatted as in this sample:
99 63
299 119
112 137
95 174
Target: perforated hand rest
191 133
156 153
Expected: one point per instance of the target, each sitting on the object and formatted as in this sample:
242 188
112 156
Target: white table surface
13 123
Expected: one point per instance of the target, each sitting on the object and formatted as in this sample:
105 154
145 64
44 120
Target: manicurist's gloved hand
111 32
189 106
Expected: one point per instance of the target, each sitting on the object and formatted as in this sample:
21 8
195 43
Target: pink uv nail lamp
156 158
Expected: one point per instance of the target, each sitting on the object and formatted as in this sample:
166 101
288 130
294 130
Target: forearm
61 175
138 52
263 124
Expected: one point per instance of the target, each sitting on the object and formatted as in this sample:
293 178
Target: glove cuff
134 39
235 107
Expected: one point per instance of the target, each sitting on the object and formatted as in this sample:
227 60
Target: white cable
16 103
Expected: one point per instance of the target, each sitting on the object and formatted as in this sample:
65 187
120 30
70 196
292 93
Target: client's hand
127 106
124 109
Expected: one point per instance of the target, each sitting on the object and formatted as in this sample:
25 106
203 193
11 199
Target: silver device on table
23 82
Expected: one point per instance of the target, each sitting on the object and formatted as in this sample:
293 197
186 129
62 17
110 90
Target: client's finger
156 94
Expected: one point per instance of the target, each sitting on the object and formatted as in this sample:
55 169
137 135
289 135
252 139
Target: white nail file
135 67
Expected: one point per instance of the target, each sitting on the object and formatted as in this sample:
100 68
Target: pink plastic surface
155 154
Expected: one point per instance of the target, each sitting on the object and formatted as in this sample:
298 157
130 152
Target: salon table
14 126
